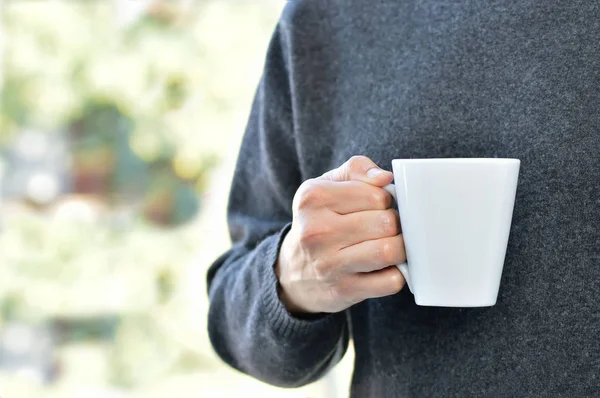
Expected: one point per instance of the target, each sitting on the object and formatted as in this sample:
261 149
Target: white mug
456 216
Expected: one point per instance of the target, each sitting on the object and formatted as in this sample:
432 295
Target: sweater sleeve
249 327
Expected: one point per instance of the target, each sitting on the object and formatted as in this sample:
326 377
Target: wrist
282 267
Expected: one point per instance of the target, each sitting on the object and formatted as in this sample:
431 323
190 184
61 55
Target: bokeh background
120 122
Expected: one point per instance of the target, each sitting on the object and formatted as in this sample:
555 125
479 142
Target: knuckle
323 269
386 252
390 223
396 282
307 235
379 199
310 193
357 163
310 233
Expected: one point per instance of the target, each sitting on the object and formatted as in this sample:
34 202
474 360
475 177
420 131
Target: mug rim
457 160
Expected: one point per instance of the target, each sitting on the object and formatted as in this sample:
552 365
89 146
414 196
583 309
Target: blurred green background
119 128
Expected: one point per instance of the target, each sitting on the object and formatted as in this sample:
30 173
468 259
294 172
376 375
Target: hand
343 243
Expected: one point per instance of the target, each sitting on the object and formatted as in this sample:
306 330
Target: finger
373 255
374 284
360 227
360 168
353 196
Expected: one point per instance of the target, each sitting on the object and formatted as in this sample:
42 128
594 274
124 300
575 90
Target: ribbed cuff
283 324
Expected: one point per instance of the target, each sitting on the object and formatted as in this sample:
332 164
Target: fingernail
374 172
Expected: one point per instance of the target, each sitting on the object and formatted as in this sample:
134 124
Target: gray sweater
417 79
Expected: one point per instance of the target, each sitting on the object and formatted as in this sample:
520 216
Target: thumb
359 168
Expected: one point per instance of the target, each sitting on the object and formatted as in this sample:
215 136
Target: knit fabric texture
426 79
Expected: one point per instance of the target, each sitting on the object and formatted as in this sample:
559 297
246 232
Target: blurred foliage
150 107
149 104
70 266
99 281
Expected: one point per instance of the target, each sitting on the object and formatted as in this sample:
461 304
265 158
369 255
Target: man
315 239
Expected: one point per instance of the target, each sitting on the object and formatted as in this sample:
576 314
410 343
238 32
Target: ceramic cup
456 216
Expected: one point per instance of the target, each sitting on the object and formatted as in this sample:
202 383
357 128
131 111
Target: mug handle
391 189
